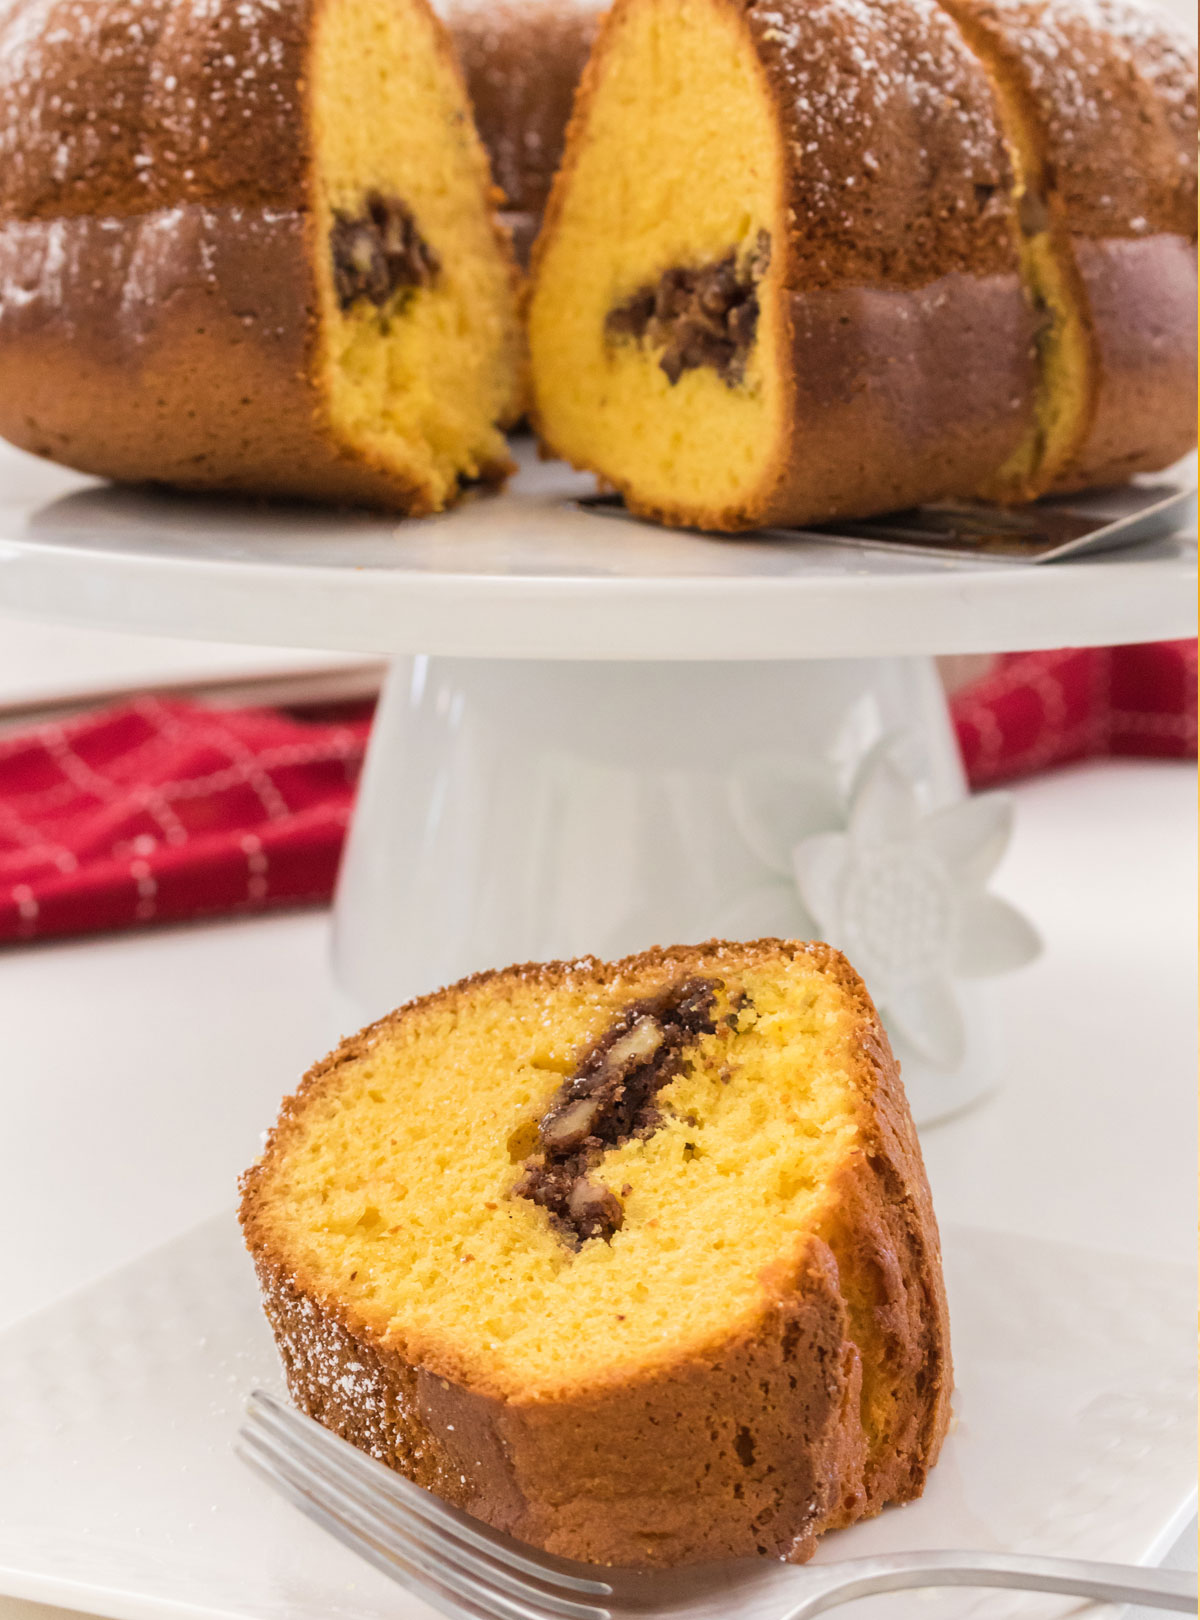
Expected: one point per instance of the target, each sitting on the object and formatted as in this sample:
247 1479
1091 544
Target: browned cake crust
522 60
1108 91
909 344
910 349
912 358
158 306
652 1470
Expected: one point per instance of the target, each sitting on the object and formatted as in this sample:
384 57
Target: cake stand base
516 810
731 698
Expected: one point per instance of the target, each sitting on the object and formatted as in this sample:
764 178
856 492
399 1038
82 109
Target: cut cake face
638 1259
419 345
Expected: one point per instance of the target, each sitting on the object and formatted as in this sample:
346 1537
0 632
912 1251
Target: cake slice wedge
251 247
779 276
635 1261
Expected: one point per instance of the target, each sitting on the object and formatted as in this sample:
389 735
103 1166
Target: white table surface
139 1069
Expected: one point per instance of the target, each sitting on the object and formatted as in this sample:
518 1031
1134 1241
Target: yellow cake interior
422 382
1051 282
678 163
391 1189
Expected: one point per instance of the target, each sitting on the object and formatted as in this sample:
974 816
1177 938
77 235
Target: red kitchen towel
1035 710
159 810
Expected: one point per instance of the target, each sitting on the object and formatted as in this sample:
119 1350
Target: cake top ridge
1113 87
901 173
121 107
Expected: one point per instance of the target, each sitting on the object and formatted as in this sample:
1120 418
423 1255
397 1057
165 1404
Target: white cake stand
597 735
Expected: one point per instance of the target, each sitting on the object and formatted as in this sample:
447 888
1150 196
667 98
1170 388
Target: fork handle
1112 1583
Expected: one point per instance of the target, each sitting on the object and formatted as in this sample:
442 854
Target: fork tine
391 1519
420 1542
317 1441
281 1480
369 1537
404 1560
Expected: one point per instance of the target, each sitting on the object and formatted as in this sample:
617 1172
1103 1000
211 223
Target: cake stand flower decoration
904 894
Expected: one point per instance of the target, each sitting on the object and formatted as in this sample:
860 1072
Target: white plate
529 575
119 1493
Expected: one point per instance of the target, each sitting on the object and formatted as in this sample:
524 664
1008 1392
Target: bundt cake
522 60
635 1261
250 245
807 259
1099 106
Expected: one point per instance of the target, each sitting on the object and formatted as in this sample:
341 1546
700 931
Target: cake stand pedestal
597 736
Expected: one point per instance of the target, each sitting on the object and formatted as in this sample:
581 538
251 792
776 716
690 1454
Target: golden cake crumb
654 1237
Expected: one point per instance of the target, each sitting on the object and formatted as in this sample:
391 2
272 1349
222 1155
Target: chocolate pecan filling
610 1098
379 252
705 316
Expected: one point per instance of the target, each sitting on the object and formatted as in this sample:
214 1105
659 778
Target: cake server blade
1045 531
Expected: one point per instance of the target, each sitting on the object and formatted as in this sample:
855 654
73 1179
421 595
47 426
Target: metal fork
469 1571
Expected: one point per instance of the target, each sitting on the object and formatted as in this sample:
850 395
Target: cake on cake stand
597 736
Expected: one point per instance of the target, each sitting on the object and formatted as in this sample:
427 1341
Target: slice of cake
250 246
779 276
1099 105
634 1261
807 259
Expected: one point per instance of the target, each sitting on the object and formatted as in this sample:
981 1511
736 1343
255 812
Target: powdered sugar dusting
1059 47
372 1398
1113 88
123 105
869 77
901 167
